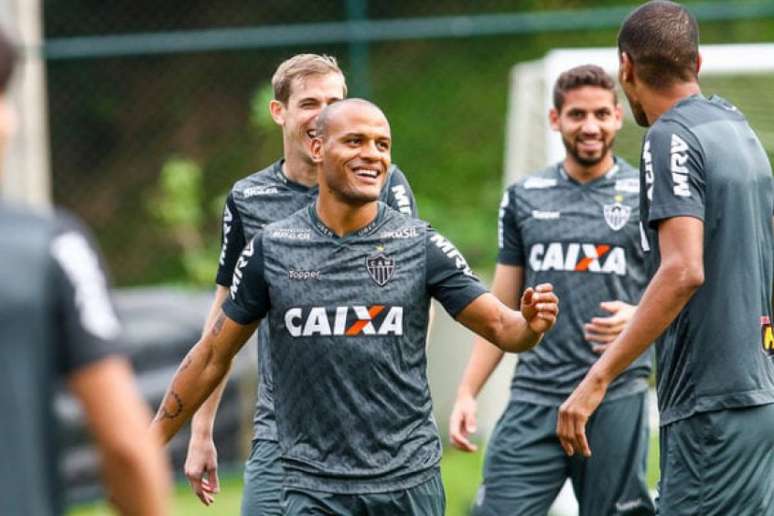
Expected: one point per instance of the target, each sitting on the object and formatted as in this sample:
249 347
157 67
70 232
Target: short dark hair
662 40
578 77
7 60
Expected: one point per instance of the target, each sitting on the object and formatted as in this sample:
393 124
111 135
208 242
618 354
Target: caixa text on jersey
345 321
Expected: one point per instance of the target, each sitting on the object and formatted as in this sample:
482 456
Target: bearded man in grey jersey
574 224
345 285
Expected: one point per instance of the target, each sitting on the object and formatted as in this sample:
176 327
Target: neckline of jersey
324 230
282 178
607 175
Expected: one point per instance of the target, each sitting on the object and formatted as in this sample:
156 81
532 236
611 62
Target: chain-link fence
145 143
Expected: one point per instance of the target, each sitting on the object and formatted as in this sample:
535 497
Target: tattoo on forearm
217 326
166 412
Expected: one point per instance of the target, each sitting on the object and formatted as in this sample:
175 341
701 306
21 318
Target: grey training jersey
584 239
260 199
702 160
55 318
348 321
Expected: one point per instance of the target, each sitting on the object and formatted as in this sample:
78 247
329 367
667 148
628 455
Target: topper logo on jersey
345 321
678 157
571 256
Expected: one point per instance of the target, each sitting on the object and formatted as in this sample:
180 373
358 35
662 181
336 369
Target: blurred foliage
116 122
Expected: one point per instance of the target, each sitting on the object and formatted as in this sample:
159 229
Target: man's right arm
210 359
506 286
200 372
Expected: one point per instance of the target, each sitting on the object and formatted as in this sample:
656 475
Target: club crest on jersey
380 267
767 336
617 215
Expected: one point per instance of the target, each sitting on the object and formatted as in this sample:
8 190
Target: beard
585 160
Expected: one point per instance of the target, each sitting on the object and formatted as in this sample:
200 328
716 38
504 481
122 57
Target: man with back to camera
57 322
346 284
303 85
574 224
706 206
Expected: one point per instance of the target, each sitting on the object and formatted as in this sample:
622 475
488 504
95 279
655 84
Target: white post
26 176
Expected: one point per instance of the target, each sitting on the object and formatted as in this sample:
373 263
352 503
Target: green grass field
461 475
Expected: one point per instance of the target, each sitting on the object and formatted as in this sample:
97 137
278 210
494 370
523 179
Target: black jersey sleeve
675 181
509 242
449 278
249 297
232 242
398 195
85 319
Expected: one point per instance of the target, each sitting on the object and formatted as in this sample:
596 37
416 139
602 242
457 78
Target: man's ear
698 63
625 68
553 119
277 111
316 149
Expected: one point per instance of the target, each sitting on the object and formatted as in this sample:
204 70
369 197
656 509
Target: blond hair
299 67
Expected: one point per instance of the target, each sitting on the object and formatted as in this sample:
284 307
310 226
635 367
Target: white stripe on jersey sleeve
81 265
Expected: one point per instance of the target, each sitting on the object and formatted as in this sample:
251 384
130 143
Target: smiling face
354 152
308 96
588 122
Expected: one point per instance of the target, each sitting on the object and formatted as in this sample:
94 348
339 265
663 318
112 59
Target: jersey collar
324 230
612 171
280 176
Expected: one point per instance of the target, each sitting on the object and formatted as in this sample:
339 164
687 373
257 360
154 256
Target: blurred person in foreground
707 201
303 85
57 322
345 285
574 224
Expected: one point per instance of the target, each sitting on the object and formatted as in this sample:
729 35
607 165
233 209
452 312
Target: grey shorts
426 499
263 480
718 464
525 466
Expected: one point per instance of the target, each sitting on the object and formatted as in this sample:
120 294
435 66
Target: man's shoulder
264 182
693 112
625 169
395 220
544 179
293 227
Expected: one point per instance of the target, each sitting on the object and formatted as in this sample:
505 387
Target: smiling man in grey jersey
706 206
574 224
348 330
303 86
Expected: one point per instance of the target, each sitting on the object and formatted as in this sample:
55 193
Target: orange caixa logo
767 336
